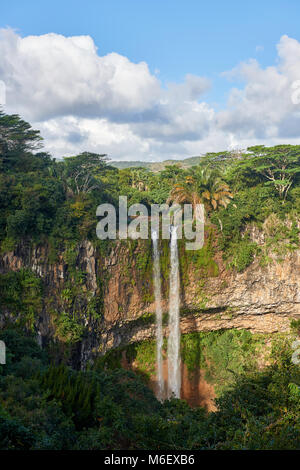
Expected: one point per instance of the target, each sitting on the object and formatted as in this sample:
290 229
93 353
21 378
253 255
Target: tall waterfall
159 330
174 362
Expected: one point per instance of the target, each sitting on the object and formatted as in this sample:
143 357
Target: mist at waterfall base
174 360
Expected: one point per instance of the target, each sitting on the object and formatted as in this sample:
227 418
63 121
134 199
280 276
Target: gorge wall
98 297
113 299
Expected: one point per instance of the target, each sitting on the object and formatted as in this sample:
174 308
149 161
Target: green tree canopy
279 165
17 142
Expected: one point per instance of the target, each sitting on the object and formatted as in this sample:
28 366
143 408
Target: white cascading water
174 362
159 330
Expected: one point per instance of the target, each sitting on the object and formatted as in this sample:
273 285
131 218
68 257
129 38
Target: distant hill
126 164
157 166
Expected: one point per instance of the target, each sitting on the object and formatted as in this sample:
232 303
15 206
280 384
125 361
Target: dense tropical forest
45 403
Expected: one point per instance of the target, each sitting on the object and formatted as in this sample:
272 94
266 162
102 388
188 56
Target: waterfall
174 363
159 330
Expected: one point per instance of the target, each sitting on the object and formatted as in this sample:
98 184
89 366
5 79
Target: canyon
261 299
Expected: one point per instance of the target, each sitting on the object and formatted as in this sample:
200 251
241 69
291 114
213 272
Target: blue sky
174 38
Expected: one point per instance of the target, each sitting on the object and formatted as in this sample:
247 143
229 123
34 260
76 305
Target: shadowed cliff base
194 388
135 331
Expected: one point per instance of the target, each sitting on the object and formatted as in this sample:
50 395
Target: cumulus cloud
264 109
84 101
52 75
69 135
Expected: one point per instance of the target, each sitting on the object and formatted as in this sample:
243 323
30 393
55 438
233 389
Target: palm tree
203 187
140 179
216 192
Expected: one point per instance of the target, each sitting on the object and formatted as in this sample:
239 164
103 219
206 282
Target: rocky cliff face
113 299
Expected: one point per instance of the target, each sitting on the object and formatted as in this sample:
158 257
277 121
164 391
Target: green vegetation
223 355
21 296
43 199
45 406
252 201
142 354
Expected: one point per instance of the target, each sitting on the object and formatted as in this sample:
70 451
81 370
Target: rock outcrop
261 298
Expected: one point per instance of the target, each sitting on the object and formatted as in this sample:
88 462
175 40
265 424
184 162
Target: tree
17 141
140 179
279 165
82 172
203 186
170 174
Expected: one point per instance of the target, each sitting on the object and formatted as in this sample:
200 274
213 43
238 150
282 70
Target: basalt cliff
109 295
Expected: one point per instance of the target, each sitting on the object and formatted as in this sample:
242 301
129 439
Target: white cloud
259 48
84 101
51 75
69 135
263 109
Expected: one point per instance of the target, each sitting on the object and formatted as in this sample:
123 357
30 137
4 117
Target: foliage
68 328
81 172
21 295
55 407
52 406
222 354
57 200
279 165
202 186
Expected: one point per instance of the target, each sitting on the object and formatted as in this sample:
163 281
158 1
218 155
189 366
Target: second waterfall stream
174 361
